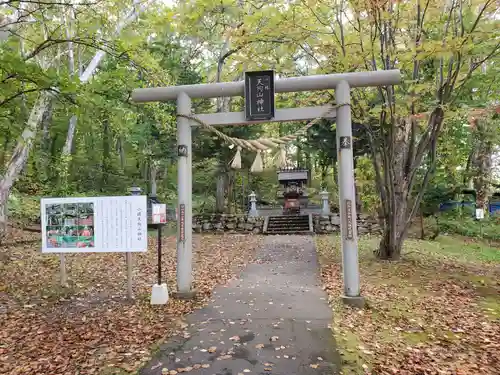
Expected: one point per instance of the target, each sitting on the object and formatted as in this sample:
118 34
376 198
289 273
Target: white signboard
479 213
159 213
94 224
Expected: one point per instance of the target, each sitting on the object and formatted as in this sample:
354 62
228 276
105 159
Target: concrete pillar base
185 295
357 302
159 294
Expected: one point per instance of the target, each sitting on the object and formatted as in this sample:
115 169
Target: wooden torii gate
342 83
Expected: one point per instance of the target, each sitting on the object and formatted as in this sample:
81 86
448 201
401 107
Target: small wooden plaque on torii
259 95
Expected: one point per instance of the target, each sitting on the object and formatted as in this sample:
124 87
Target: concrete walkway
273 320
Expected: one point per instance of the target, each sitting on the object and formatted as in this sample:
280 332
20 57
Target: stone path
273 320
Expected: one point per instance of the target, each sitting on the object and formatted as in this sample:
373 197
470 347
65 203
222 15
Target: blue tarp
450 205
494 207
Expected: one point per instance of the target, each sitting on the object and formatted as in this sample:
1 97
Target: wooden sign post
159 293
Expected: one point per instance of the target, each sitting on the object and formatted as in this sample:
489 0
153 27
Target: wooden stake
63 274
128 257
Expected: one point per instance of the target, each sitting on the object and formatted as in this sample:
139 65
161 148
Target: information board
94 224
159 213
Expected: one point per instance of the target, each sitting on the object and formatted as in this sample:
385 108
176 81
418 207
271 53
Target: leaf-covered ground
435 312
89 327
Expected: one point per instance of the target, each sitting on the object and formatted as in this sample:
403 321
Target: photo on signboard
70 225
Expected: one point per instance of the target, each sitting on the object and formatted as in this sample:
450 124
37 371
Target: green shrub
24 207
465 224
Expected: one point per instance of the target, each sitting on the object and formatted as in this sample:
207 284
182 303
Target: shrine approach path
274 319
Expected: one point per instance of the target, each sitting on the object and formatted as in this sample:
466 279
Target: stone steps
288 224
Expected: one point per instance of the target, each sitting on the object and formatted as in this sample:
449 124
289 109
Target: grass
491 306
352 357
434 309
113 370
170 229
463 249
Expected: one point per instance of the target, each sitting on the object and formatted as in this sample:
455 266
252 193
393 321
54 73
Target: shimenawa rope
261 144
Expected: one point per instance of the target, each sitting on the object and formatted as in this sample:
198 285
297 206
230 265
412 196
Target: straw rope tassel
282 157
257 166
236 163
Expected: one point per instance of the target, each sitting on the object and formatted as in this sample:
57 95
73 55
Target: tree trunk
6 145
230 191
394 232
422 224
359 204
4 197
335 173
154 171
309 168
299 157
146 174
121 152
106 155
20 155
323 176
481 163
46 141
394 156
91 68
220 196
390 246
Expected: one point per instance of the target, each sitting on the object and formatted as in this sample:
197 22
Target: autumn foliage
89 327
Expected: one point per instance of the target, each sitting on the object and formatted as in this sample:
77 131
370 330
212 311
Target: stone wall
324 224
219 223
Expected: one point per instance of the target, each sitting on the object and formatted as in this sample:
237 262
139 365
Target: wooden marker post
64 275
128 255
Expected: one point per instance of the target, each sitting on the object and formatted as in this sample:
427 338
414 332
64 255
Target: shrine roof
293 174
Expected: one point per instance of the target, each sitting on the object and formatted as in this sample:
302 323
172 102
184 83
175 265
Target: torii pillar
342 83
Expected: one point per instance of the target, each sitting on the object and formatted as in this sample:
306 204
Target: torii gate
342 83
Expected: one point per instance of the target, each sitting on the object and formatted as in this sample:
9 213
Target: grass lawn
437 311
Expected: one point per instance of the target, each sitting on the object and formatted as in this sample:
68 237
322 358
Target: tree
438 47
485 127
445 56
39 41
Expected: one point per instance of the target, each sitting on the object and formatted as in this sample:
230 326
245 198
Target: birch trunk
42 105
224 105
20 155
154 172
89 72
106 154
4 196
